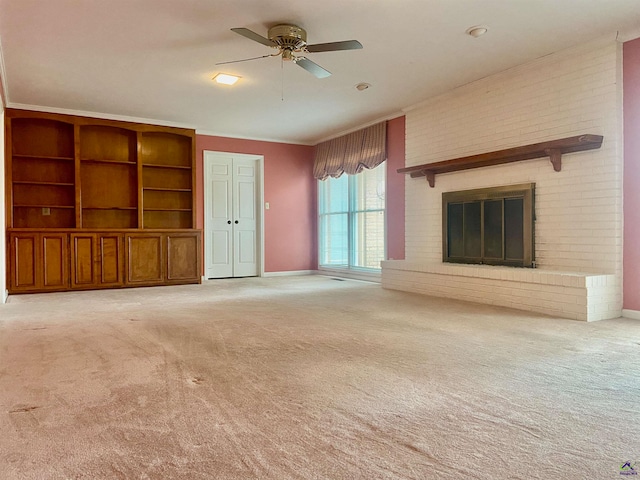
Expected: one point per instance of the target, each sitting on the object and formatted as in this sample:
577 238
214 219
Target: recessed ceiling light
362 86
477 31
226 79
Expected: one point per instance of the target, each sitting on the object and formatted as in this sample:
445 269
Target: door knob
236 222
229 222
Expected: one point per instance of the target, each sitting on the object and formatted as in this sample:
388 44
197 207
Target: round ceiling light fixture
477 31
362 86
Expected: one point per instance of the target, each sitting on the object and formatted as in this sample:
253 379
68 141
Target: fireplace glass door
489 226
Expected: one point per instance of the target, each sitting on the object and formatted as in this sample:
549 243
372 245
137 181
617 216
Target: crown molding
628 35
210 133
104 116
390 116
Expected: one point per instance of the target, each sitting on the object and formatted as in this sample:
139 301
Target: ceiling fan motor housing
288 36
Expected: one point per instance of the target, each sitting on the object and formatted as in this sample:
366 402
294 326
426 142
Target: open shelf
43 194
109 218
55 184
43 157
109 208
167 219
116 162
166 178
108 143
178 167
44 138
31 216
553 149
42 171
167 209
42 206
164 149
162 189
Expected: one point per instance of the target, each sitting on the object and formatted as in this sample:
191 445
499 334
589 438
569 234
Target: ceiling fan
291 40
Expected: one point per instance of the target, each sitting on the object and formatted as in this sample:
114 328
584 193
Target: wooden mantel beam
552 149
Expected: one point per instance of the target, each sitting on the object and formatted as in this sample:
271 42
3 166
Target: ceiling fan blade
334 46
312 68
245 32
247 59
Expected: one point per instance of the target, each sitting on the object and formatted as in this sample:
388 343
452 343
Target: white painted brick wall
579 210
577 296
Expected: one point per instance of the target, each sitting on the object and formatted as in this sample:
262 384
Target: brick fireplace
578 228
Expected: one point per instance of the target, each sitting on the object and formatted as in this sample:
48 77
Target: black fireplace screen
489 226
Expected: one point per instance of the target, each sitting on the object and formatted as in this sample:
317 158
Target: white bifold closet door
231 209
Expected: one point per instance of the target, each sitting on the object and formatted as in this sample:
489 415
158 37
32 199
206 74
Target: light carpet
309 378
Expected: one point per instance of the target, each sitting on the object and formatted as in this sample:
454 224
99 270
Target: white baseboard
5 297
352 274
635 314
290 273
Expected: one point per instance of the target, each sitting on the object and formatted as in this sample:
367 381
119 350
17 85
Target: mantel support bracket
555 155
431 177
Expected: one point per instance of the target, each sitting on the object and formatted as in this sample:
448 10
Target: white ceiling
154 59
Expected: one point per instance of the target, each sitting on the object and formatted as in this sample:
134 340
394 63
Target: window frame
352 213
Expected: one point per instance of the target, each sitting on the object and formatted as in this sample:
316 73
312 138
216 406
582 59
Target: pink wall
395 188
631 186
290 241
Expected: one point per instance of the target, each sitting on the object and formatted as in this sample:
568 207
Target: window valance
366 148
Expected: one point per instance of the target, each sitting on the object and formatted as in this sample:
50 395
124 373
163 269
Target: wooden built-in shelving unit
553 149
107 183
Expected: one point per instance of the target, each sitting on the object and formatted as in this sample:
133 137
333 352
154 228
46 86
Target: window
352 219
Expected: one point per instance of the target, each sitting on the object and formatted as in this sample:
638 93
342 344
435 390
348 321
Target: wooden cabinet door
145 259
55 262
38 262
183 259
23 262
110 259
96 260
84 261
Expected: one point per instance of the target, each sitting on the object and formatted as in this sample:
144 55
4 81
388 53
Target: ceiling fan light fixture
290 40
477 31
226 79
287 55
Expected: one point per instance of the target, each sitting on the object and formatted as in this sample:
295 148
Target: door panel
245 231
144 259
221 198
111 265
23 256
54 253
219 217
221 246
246 248
182 251
83 260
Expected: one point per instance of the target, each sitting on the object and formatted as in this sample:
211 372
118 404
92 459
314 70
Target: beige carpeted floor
310 378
